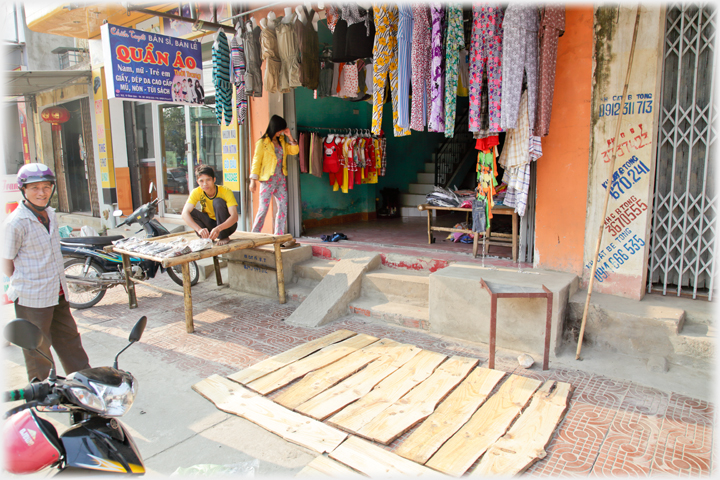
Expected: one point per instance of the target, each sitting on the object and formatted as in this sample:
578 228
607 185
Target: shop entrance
78 166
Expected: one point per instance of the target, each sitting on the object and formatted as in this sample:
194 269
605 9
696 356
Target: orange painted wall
562 172
124 190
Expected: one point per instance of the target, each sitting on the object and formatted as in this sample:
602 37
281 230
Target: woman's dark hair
204 170
277 124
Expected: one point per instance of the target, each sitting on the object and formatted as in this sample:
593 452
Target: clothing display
552 26
486 63
309 44
455 42
436 122
237 62
360 31
221 79
519 55
288 51
253 75
271 56
385 62
420 56
405 33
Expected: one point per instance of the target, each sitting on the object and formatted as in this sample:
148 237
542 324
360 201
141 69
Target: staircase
445 162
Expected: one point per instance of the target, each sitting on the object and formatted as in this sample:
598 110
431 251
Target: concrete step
313 269
427 177
405 314
398 286
422 188
430 168
646 328
297 292
411 212
411 199
694 347
698 311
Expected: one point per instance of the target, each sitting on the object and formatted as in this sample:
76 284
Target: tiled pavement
611 427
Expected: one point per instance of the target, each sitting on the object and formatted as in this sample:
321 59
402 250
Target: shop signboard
149 66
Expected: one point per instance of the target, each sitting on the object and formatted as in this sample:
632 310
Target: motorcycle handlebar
18 409
34 391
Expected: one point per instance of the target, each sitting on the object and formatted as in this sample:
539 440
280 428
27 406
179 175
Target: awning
18 82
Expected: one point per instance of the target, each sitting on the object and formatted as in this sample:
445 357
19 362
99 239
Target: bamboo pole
609 185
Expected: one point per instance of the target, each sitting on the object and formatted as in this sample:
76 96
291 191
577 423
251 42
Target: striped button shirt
39 270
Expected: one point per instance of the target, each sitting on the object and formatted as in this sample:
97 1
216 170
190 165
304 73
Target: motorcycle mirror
23 334
117 213
152 187
138 329
135 335
27 335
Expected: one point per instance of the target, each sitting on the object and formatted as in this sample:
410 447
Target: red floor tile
683 449
629 446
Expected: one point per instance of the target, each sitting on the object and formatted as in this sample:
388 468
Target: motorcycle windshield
103 375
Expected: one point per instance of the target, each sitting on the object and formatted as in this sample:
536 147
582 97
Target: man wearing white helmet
31 257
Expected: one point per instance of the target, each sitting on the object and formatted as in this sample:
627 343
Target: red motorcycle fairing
31 443
101 444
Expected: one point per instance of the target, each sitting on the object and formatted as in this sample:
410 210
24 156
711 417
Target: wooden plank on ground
233 398
330 401
356 415
525 442
323 466
281 377
419 403
320 380
450 415
375 461
486 425
276 362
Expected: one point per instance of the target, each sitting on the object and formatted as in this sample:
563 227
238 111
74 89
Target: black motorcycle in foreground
90 271
96 440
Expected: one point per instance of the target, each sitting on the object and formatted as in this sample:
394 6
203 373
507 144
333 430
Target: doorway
75 160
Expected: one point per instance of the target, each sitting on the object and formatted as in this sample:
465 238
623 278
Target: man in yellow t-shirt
218 216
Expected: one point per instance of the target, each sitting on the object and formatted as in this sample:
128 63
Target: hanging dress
420 56
436 122
253 60
455 42
288 50
271 55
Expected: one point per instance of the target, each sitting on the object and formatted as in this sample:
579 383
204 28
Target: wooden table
503 239
497 290
238 241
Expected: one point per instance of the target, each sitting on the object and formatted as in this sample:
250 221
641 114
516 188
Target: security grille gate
683 247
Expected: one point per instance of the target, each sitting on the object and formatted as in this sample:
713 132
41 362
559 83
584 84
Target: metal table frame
238 241
546 293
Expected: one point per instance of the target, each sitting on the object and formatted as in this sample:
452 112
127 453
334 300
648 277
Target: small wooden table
497 290
238 241
489 238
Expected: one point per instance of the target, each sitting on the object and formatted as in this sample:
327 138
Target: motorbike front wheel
176 274
82 296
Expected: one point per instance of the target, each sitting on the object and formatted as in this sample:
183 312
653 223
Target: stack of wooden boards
344 393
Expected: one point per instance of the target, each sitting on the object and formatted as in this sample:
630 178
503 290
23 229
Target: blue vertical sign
148 66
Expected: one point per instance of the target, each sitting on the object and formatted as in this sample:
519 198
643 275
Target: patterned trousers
385 60
276 186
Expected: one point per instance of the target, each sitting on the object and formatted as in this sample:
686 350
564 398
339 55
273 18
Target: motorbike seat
94 241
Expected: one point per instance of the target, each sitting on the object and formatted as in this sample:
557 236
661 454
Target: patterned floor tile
629 446
645 400
602 391
690 410
683 449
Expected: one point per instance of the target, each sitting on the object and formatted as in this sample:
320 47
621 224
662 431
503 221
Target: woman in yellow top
269 167
218 218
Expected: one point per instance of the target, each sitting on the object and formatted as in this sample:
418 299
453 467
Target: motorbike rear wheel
176 274
81 296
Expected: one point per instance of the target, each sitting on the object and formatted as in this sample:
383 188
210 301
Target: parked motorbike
90 271
94 397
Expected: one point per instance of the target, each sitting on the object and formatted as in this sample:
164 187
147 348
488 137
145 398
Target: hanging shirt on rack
455 42
221 79
436 122
288 50
253 75
271 55
360 32
237 59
